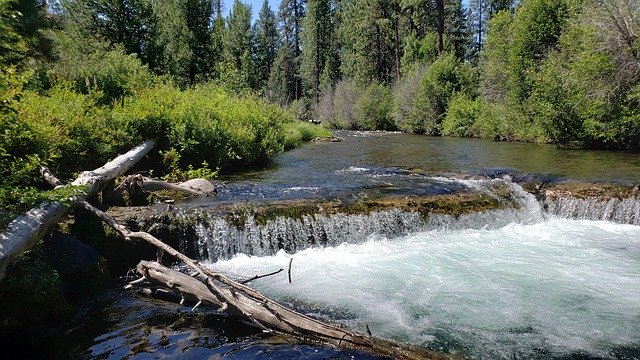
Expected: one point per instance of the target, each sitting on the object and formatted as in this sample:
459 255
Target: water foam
542 290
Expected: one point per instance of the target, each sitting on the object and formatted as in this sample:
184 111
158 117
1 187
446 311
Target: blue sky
255 6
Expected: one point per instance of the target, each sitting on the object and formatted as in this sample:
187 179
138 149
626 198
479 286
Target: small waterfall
219 238
622 211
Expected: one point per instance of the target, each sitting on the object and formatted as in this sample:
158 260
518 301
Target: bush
405 93
206 124
110 75
70 129
349 106
462 113
442 79
298 131
345 97
374 108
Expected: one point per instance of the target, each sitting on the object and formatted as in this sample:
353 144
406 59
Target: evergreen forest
83 80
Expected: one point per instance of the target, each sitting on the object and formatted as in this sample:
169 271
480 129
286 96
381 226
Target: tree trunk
440 24
23 232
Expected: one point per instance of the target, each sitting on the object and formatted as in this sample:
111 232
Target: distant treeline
560 71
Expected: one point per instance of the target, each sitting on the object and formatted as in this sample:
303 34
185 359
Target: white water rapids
541 287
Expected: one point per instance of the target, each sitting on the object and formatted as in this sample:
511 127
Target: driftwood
250 305
152 185
23 232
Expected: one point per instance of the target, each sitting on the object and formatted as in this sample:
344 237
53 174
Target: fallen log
23 232
250 305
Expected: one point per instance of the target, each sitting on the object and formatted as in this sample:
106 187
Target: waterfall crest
219 238
622 211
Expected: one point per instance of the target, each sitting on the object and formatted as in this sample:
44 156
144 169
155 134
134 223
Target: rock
202 185
83 271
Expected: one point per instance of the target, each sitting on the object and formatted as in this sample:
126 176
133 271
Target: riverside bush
374 109
350 106
462 113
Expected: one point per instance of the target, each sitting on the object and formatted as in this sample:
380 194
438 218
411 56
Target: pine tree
371 49
479 13
123 22
331 72
238 41
198 15
316 41
266 42
285 83
456 27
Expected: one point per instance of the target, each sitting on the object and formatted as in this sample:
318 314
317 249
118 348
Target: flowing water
539 287
555 280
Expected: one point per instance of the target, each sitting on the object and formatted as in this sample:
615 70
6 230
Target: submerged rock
82 270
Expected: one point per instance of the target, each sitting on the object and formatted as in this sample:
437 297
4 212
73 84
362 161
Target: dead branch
247 303
261 276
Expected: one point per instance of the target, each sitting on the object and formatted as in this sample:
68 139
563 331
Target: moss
591 190
455 204
298 211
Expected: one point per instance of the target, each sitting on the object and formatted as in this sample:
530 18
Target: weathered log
152 185
247 303
190 288
23 232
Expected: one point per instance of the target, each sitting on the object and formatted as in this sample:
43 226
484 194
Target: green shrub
345 97
71 129
462 113
297 132
405 92
110 75
442 79
374 109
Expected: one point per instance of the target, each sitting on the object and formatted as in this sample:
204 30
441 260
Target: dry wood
152 185
23 232
189 287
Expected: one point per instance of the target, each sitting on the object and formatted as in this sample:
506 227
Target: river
515 284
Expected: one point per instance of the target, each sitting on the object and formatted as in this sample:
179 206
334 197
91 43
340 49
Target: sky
255 6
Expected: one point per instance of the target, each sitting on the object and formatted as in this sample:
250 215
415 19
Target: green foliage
462 113
171 158
369 47
445 77
238 41
354 107
536 28
108 75
374 108
316 44
501 122
583 93
266 41
343 99
422 51
297 132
